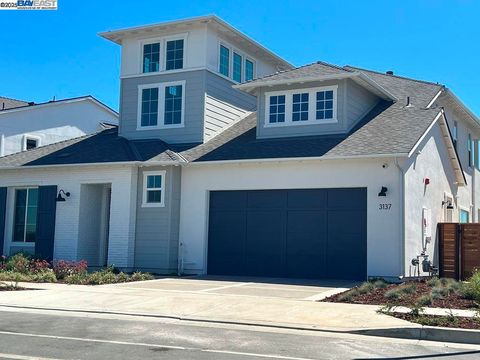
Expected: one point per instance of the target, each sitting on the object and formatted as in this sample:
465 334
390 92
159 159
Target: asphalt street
30 334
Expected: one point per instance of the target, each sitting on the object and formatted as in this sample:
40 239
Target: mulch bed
443 321
376 297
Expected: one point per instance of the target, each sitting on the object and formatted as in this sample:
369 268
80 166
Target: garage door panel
346 246
267 199
307 199
228 200
306 244
226 246
265 243
348 199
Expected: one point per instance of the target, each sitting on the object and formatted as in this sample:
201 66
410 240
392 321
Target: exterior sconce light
448 203
426 181
60 197
383 191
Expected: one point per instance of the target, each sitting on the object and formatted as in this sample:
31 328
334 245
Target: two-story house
27 125
229 161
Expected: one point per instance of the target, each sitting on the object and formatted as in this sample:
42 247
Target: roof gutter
313 158
120 163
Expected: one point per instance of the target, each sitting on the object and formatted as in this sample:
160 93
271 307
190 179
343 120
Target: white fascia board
247 87
117 35
60 102
414 148
313 158
434 99
464 107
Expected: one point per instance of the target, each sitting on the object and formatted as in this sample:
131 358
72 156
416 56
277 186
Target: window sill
153 205
301 123
176 126
22 243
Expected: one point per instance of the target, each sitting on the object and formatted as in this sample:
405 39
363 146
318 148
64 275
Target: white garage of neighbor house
319 171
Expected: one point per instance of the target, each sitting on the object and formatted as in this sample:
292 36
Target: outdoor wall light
383 191
60 197
448 203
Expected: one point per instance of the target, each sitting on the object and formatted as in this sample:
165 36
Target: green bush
399 292
365 288
471 288
141 276
348 296
380 284
43 276
424 300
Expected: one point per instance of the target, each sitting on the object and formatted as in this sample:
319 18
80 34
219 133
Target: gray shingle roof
318 68
389 128
8 103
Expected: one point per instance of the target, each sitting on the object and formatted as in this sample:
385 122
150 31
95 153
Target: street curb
415 332
429 333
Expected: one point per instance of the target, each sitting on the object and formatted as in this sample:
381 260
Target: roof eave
117 35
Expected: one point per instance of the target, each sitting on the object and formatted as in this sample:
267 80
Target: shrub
471 288
365 288
140 276
439 292
400 291
434 281
348 296
380 284
20 262
46 275
424 300
63 268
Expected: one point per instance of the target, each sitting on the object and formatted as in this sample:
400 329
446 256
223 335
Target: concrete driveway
308 290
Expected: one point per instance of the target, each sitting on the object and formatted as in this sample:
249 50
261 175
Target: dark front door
308 233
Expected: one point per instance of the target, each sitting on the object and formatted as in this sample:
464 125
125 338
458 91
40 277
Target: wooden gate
459 248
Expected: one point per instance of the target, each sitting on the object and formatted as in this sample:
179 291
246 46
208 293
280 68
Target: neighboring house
229 161
24 126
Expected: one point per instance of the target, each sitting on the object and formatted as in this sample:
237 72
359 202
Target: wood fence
459 248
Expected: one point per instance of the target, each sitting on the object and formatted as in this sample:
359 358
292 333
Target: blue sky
58 53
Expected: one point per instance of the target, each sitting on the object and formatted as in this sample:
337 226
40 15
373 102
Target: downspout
402 217
2 145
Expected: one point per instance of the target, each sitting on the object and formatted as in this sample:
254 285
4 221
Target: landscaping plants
23 268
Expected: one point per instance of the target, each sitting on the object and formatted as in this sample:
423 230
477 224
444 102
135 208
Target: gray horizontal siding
359 102
156 239
194 108
221 89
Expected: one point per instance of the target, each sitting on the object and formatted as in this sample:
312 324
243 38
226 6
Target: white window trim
162 173
163 52
161 105
12 223
26 137
244 56
467 210
470 151
312 107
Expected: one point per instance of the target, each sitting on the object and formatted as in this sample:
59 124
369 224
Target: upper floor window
149 112
30 142
161 105
249 70
455 134
224 61
25 215
234 64
151 57
300 107
174 57
470 150
324 105
277 109
308 106
173 104
237 67
153 188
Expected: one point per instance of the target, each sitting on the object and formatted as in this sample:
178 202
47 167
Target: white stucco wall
50 123
384 244
430 161
123 180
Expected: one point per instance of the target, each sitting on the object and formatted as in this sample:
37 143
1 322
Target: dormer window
151 57
301 107
249 66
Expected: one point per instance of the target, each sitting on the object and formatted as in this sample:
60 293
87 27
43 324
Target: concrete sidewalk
145 299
